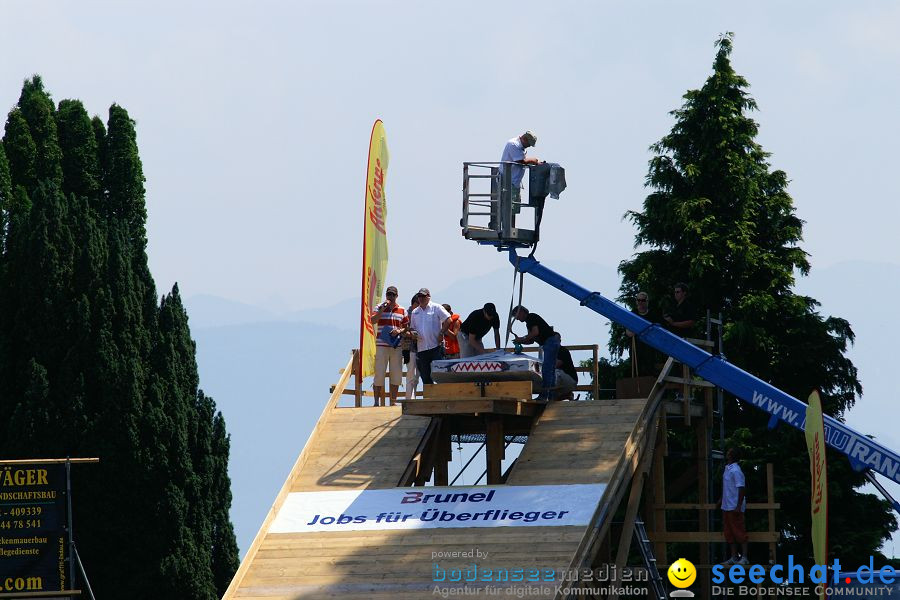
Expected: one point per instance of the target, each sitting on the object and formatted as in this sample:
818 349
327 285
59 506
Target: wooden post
357 370
442 461
494 448
703 493
659 489
770 498
686 393
596 391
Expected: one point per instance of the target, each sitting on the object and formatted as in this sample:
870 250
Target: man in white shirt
514 151
429 322
733 505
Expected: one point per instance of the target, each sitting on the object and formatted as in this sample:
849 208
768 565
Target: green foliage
80 159
92 365
5 198
20 150
719 218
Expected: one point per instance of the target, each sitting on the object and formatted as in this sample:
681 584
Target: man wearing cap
514 151
430 322
390 320
542 333
476 325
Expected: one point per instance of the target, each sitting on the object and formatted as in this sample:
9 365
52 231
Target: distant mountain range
270 373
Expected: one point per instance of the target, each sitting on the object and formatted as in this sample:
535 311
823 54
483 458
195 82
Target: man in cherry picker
514 151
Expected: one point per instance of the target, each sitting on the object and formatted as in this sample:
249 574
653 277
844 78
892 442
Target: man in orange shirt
451 344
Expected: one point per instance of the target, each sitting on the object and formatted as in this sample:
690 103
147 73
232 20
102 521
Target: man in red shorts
733 505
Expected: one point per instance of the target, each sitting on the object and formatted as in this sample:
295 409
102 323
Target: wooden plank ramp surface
576 442
369 448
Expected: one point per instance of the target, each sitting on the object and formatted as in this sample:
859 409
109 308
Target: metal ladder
643 542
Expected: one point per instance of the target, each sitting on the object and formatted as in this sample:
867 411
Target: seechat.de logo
682 573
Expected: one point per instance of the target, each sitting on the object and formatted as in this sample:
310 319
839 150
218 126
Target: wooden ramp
370 448
577 442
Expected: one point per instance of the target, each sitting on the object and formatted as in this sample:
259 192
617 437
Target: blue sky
253 121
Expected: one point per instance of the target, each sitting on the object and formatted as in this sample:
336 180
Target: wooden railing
593 387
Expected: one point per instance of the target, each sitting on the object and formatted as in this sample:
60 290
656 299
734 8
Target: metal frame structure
864 453
498 203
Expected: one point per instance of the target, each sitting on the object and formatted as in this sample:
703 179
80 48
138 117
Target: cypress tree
719 218
80 156
39 112
5 201
91 365
224 546
20 151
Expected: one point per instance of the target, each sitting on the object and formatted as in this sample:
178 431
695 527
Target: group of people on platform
680 320
427 331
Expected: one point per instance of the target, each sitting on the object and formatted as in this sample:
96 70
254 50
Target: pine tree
719 218
91 365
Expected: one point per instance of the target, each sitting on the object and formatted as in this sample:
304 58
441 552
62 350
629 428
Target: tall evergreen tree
5 198
91 365
719 218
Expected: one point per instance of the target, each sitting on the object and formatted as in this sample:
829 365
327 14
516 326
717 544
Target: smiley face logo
682 573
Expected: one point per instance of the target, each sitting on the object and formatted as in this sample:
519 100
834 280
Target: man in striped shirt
390 320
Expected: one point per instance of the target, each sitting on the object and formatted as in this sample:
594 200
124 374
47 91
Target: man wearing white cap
430 321
514 151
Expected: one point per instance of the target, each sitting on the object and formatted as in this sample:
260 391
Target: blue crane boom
863 452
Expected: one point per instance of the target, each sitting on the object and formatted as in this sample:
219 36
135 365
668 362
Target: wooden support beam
494 448
712 506
697 537
415 467
702 433
636 443
770 496
521 390
359 379
443 456
472 406
677 408
659 489
690 382
634 500
51 595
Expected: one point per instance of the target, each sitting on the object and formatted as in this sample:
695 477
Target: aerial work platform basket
496 211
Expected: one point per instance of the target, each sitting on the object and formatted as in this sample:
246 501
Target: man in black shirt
542 333
473 329
566 375
644 358
681 319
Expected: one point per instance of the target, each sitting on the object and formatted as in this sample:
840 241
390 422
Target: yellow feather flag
815 442
375 250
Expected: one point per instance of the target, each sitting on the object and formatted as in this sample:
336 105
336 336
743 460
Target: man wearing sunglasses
390 320
430 322
682 318
643 357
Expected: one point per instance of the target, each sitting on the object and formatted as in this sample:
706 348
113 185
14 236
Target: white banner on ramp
438 507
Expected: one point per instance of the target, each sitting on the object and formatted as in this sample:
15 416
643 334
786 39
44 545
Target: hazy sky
253 121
